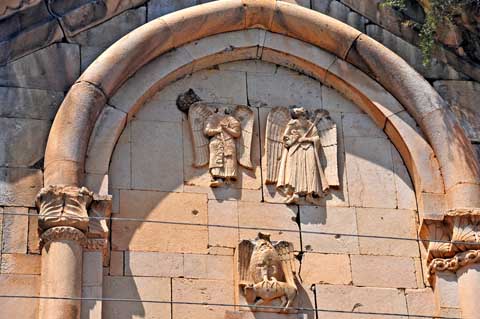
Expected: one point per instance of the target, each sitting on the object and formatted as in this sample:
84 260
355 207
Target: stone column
65 230
459 254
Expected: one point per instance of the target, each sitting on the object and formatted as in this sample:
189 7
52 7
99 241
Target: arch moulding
439 158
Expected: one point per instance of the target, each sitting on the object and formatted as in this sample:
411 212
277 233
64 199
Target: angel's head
298 112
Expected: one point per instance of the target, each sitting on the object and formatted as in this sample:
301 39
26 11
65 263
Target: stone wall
44 47
152 178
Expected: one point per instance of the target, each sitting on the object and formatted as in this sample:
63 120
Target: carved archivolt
301 153
267 274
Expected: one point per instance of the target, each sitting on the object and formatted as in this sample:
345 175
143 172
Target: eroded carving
267 274
62 233
301 153
221 136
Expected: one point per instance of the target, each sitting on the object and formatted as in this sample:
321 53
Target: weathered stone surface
30 134
53 68
25 29
284 89
29 103
331 223
361 301
22 285
161 206
383 271
105 34
214 267
120 171
446 290
333 101
360 125
303 3
153 264
267 218
159 143
117 263
370 168
339 11
76 17
157 8
20 264
88 55
159 109
137 288
412 55
201 291
403 183
223 213
420 302
15 230
387 223
92 275
463 99
325 268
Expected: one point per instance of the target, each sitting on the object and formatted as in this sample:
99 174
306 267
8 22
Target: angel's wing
327 130
197 115
285 252
244 144
277 121
245 250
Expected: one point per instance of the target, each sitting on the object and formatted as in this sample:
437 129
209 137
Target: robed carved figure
221 136
267 273
301 153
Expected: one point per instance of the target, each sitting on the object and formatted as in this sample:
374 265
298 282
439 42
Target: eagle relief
266 274
301 153
221 136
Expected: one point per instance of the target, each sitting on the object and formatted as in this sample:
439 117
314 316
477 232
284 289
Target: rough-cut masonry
310 173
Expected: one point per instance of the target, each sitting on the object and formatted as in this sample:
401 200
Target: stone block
360 302
20 264
15 230
159 109
55 67
183 208
19 186
91 308
223 213
23 141
153 264
334 101
88 55
250 66
360 125
412 54
103 139
446 291
158 143
278 220
321 5
137 288
374 222
29 103
463 99
284 90
92 269
21 285
107 33
325 269
117 263
370 172
120 171
420 302
201 291
213 267
303 3
326 229
383 271
157 8
403 183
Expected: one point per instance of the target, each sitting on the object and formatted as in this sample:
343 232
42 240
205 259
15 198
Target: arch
441 166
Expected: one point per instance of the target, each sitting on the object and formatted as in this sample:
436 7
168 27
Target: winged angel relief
267 273
221 136
296 145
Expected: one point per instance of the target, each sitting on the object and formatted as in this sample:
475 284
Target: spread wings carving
277 121
244 143
197 115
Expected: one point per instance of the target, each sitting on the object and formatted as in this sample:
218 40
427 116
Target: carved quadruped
266 274
221 136
302 153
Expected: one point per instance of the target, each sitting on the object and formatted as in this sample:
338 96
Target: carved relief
267 274
221 136
301 153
